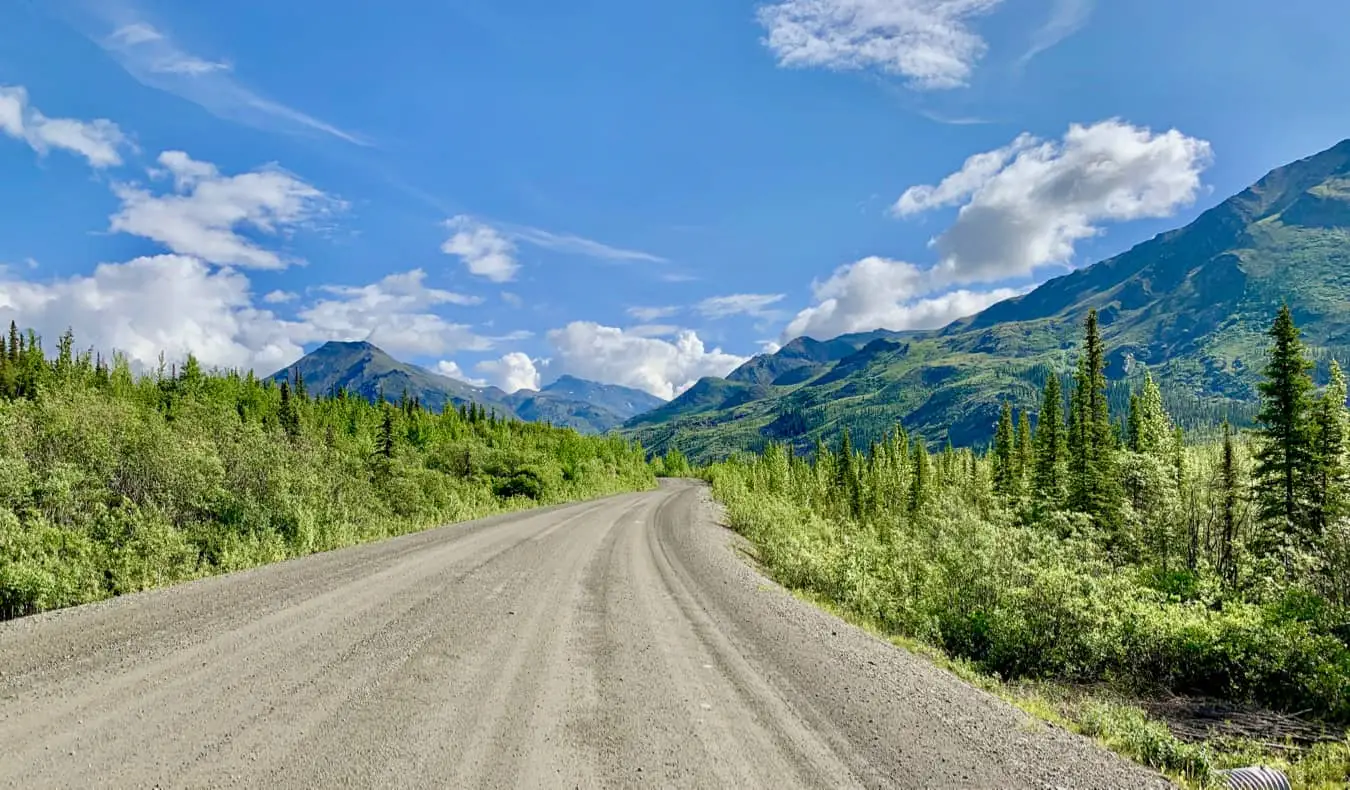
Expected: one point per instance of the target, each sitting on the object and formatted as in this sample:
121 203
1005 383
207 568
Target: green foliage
1155 577
110 483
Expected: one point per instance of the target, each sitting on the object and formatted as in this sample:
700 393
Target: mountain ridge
1191 303
366 370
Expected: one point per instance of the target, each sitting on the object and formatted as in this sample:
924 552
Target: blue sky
639 193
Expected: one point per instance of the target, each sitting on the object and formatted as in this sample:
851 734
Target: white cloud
452 370
1027 204
566 242
97 141
1066 18
653 330
739 304
154 59
167 303
609 354
280 297
394 314
876 293
652 313
929 42
204 214
513 372
484 251
512 299
178 304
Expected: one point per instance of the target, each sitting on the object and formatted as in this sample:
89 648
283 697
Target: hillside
365 370
1191 304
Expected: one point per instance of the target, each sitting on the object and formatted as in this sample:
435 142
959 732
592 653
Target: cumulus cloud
452 370
395 314
609 354
513 372
484 251
280 297
98 141
166 303
1027 204
206 211
877 293
929 42
739 304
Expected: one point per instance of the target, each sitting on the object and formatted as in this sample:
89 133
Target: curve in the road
614 643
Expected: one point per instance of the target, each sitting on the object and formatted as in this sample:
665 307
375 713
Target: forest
113 482
1086 550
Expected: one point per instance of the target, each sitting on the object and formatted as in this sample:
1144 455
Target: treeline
112 482
1085 548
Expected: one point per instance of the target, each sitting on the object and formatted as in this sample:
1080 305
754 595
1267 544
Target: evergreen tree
387 433
287 415
1285 456
1093 486
1329 428
1024 452
1048 476
1151 428
1004 452
1226 560
921 483
15 343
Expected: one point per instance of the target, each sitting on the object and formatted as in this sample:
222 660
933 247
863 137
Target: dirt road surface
616 643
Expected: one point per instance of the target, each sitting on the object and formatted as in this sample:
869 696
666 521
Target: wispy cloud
1066 18
152 57
739 304
577 245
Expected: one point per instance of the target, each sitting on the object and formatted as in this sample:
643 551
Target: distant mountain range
365 370
1192 304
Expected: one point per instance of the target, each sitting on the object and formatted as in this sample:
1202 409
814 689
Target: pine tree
287 415
1004 452
387 433
1151 428
921 484
1226 561
1048 476
1285 456
15 343
1093 486
1132 429
1329 429
1024 452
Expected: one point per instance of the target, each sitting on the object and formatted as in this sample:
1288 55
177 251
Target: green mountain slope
365 370
1192 304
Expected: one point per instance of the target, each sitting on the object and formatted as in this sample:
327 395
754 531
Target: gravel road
616 643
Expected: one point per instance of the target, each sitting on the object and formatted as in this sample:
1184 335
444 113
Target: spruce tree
1151 428
1004 452
1329 428
15 343
1226 561
1048 476
287 415
1094 487
1285 457
1025 453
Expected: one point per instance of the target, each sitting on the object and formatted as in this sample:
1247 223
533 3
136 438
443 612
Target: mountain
1192 304
588 406
365 370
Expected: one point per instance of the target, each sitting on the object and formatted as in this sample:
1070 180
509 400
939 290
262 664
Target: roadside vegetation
1092 569
112 483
